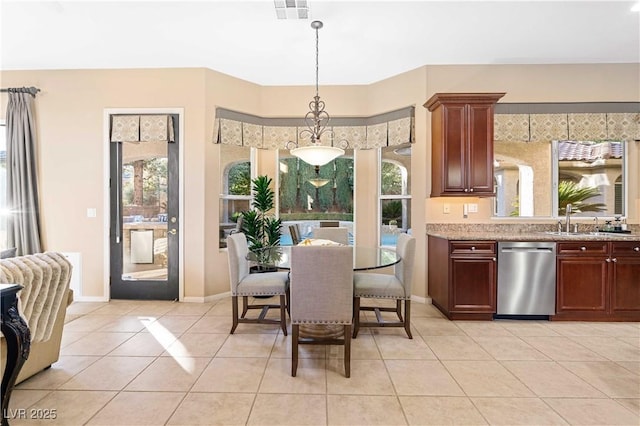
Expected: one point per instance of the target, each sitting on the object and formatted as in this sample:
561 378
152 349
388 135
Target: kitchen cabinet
598 280
462 278
462 143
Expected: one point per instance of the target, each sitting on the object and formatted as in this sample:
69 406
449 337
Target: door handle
173 231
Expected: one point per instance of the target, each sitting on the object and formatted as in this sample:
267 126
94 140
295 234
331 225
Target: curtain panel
142 128
240 129
22 182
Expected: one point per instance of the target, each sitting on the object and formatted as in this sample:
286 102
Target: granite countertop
523 232
531 236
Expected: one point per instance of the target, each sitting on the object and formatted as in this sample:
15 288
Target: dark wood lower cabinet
598 281
462 278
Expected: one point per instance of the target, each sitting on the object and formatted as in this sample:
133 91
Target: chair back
295 234
406 249
237 249
338 235
329 224
321 285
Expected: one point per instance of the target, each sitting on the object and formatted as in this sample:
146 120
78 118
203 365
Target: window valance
240 129
575 121
142 128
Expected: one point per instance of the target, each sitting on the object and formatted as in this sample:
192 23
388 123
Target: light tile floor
155 363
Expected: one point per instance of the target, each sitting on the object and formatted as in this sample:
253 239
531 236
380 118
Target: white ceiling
361 42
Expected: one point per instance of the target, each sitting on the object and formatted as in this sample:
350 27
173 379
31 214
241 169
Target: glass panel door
144 220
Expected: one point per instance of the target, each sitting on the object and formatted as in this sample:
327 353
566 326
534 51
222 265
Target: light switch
91 212
446 208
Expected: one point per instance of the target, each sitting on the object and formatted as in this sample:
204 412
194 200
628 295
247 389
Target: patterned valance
240 129
583 126
142 128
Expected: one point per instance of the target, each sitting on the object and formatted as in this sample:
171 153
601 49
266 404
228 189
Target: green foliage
391 210
570 193
325 193
391 179
344 184
262 228
240 179
289 185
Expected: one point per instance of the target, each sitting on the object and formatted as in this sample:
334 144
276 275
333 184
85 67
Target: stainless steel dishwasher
526 279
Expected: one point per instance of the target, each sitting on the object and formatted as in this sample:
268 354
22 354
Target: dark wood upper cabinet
462 143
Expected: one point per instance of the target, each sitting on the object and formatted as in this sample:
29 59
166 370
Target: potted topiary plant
261 227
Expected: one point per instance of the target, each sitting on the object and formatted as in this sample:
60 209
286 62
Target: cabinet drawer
473 247
626 248
583 247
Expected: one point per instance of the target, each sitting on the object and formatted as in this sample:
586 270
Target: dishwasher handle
526 249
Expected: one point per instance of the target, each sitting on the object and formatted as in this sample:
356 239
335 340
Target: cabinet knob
466 190
608 260
583 248
473 248
493 258
471 190
614 259
636 249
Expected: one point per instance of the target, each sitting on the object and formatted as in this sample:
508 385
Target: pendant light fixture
317 120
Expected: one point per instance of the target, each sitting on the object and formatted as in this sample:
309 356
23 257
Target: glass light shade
318 182
317 155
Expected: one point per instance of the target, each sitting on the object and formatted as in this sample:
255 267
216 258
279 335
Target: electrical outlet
91 212
473 208
446 208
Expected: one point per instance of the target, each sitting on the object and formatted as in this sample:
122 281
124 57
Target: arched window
235 194
394 193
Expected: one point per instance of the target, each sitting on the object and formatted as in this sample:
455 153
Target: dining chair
245 285
385 286
321 298
329 224
294 231
338 235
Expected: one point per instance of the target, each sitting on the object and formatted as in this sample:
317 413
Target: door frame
106 201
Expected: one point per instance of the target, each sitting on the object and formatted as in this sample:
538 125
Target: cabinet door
454 149
625 284
480 149
582 284
473 284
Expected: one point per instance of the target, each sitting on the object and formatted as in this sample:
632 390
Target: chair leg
347 351
283 315
234 312
407 317
288 294
245 305
399 309
295 331
356 316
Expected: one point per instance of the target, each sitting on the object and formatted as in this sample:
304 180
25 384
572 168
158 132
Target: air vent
292 9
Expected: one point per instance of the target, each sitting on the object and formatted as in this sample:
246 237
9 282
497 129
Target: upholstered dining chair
321 299
243 284
385 286
338 235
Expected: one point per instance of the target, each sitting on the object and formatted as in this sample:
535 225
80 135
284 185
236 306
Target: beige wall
70 112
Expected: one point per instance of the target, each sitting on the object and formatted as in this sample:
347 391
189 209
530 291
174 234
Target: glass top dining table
364 258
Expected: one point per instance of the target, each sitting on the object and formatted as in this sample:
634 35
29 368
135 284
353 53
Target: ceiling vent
292 9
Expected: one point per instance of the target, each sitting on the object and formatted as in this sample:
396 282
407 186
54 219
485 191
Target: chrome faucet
567 222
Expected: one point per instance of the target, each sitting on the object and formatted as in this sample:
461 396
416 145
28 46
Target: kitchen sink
584 234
